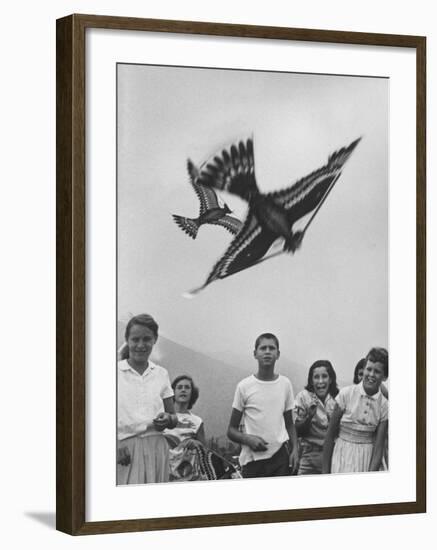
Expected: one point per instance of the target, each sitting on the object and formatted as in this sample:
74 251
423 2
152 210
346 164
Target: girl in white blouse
358 427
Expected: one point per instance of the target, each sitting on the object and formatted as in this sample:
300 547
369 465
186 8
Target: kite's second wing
233 225
309 200
250 245
304 196
206 195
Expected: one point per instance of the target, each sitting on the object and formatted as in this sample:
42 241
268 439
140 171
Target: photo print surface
252 274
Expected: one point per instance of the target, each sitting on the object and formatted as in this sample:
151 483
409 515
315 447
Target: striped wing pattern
206 195
233 225
250 244
306 193
187 225
232 170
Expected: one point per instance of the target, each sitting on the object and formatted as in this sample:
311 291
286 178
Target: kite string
279 252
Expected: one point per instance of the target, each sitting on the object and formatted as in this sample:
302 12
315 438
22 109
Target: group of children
323 430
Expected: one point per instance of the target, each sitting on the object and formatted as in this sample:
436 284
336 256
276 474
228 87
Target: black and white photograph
252 274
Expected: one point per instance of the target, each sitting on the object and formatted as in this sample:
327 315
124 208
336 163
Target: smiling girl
313 408
145 408
358 428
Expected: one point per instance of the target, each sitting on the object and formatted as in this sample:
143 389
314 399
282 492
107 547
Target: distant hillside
215 376
216 380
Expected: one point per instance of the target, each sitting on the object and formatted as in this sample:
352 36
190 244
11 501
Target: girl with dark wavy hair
313 408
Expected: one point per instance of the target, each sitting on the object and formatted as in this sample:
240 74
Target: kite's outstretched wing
304 196
232 170
232 224
250 244
206 195
189 225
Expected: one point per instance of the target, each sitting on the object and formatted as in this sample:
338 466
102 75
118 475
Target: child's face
321 381
373 376
267 352
140 343
182 391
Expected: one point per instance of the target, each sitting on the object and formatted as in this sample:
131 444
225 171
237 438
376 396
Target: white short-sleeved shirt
140 398
263 404
361 411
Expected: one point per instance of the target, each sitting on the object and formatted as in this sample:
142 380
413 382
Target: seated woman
189 426
313 409
190 459
188 456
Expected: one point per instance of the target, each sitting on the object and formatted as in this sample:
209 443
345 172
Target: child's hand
312 409
162 421
256 443
293 461
123 456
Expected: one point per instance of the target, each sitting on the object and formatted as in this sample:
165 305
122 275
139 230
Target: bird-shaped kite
210 210
270 216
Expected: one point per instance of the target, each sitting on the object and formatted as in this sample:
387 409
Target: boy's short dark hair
379 355
267 336
144 320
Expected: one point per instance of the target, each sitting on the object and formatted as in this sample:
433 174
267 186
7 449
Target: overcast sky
330 299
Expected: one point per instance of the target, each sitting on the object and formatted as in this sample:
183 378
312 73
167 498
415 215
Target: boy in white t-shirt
263 403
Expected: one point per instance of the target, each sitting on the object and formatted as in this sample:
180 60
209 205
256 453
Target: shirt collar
364 394
319 401
124 365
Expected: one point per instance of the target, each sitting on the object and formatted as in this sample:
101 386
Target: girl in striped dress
358 427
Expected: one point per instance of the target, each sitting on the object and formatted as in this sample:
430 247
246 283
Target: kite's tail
189 225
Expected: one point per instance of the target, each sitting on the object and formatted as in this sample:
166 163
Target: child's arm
331 435
255 442
167 419
291 430
378 447
303 422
